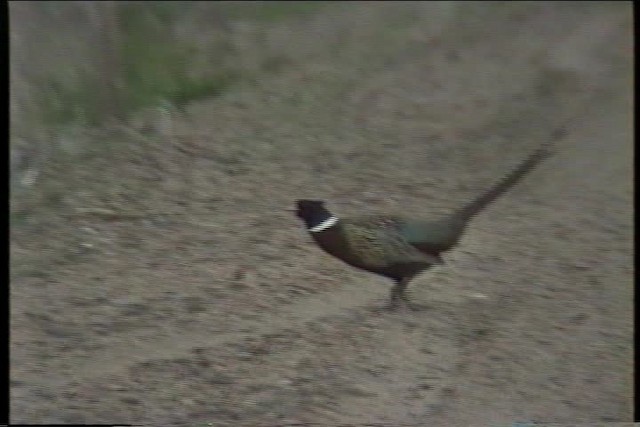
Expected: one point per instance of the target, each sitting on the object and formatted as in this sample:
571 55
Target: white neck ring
327 223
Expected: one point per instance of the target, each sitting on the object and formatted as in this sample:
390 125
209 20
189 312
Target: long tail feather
544 151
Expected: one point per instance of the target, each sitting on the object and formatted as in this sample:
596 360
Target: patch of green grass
157 66
18 219
269 11
192 89
154 66
152 62
69 102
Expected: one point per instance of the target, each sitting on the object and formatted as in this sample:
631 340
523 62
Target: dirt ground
162 281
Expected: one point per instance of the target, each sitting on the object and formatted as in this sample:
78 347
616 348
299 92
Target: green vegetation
66 102
156 67
268 11
152 65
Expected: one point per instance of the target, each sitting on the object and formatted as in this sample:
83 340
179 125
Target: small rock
115 387
130 400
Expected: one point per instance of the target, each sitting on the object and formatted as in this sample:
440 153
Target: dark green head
312 212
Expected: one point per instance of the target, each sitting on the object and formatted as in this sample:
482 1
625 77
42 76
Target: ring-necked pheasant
400 248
